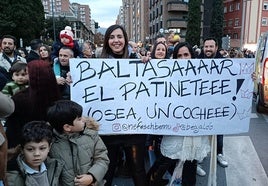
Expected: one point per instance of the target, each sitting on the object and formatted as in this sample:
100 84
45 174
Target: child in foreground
79 147
35 168
20 79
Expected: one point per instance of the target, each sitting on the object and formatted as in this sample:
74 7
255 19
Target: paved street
247 155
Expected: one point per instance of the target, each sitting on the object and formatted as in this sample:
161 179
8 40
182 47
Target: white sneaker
200 171
221 160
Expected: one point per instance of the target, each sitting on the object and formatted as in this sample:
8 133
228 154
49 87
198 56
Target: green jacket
18 177
83 153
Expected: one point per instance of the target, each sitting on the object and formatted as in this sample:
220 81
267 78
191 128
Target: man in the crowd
34 53
134 53
8 55
210 50
61 68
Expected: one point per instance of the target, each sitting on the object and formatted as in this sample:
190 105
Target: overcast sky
102 11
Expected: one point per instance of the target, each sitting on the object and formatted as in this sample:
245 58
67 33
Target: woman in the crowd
153 141
159 51
116 46
45 53
31 103
185 149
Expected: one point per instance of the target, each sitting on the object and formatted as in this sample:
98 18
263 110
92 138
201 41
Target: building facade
134 19
167 15
245 21
144 20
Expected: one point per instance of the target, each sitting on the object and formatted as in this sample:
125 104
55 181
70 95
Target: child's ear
67 127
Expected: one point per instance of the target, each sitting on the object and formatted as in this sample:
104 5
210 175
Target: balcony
175 6
175 23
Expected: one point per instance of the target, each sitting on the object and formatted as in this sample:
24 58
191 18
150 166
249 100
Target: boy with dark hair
20 79
80 148
34 166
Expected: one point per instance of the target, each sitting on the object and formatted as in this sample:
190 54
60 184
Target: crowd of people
45 139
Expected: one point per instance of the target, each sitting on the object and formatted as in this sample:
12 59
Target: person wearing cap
67 40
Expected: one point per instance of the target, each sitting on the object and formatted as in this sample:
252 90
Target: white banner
173 97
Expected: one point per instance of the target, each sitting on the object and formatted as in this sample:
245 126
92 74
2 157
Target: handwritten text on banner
174 97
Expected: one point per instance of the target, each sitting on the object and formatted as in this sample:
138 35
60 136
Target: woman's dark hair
107 51
36 131
43 87
180 45
63 112
47 47
154 50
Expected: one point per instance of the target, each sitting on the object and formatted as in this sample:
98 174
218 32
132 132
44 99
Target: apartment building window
237 6
236 22
225 10
265 6
231 8
230 22
224 23
264 21
235 35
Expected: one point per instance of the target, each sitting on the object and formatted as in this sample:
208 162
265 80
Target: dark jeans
189 173
163 164
219 144
160 166
134 158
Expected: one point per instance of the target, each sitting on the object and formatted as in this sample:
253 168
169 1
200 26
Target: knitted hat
67 33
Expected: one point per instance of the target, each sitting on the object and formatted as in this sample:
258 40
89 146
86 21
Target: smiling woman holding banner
116 46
